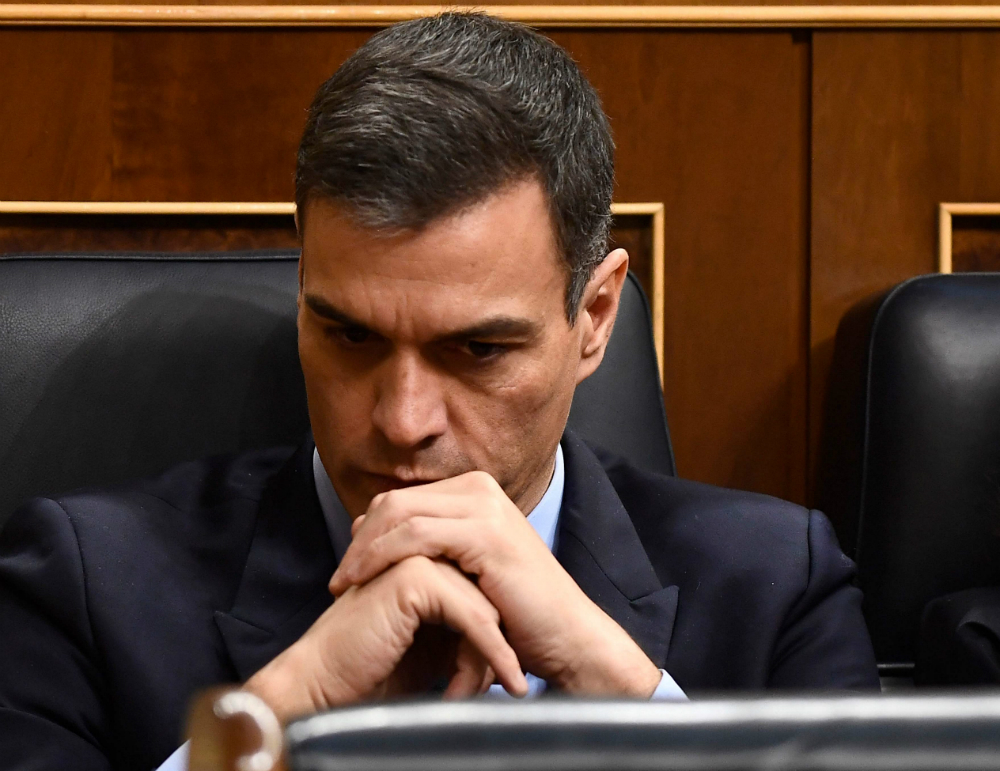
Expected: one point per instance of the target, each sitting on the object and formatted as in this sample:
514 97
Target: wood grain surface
718 131
56 136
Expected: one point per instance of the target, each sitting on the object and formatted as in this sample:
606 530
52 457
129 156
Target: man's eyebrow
491 328
496 327
321 307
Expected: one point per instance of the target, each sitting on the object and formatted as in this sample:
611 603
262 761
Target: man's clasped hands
448 582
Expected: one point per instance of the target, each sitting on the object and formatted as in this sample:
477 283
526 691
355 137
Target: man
453 187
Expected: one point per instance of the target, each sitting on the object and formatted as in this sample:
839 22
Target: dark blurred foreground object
119 366
930 467
869 733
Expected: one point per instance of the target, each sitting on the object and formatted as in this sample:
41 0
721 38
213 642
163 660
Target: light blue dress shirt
544 518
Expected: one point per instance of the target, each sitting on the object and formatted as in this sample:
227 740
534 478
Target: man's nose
409 405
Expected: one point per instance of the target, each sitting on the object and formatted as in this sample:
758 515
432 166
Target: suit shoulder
186 504
191 486
696 522
644 492
188 527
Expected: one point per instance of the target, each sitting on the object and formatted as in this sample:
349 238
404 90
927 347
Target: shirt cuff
178 761
668 690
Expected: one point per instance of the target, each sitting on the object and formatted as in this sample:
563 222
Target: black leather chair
930 493
115 366
869 733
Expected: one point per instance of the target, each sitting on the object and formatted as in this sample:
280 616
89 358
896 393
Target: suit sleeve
51 711
823 642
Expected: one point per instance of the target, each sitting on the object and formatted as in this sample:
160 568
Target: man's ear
598 309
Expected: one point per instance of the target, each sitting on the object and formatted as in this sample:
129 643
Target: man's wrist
635 679
284 686
612 664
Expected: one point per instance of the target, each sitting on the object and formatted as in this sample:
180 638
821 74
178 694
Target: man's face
435 352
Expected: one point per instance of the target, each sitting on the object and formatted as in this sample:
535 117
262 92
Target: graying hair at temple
434 115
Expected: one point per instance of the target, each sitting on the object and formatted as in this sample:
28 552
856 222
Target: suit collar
283 588
599 547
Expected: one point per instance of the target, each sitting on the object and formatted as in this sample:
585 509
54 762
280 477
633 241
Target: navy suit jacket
116 607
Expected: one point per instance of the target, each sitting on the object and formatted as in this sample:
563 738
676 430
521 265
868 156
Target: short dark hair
435 114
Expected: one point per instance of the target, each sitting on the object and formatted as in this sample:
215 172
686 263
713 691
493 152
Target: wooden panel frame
946 214
591 16
655 211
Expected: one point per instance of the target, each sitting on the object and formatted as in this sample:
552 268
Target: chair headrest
930 502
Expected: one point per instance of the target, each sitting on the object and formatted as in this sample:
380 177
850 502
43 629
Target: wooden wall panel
55 116
901 122
714 124
208 115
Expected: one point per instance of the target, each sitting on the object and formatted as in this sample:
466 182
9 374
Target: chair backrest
930 496
115 366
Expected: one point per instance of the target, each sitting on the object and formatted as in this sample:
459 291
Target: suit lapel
599 547
283 588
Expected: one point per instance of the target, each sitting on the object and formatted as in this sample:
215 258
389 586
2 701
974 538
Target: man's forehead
503 244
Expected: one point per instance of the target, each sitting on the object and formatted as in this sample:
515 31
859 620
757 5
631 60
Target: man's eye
485 350
355 335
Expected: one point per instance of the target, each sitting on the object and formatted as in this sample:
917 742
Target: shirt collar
544 518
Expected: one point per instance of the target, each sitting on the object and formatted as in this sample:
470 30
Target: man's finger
447 498
385 513
457 602
431 537
471 671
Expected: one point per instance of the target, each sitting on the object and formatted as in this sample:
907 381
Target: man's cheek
534 397
511 422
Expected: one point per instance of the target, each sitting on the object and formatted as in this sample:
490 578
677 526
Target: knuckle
415 530
389 502
481 618
409 529
374 551
410 594
483 480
